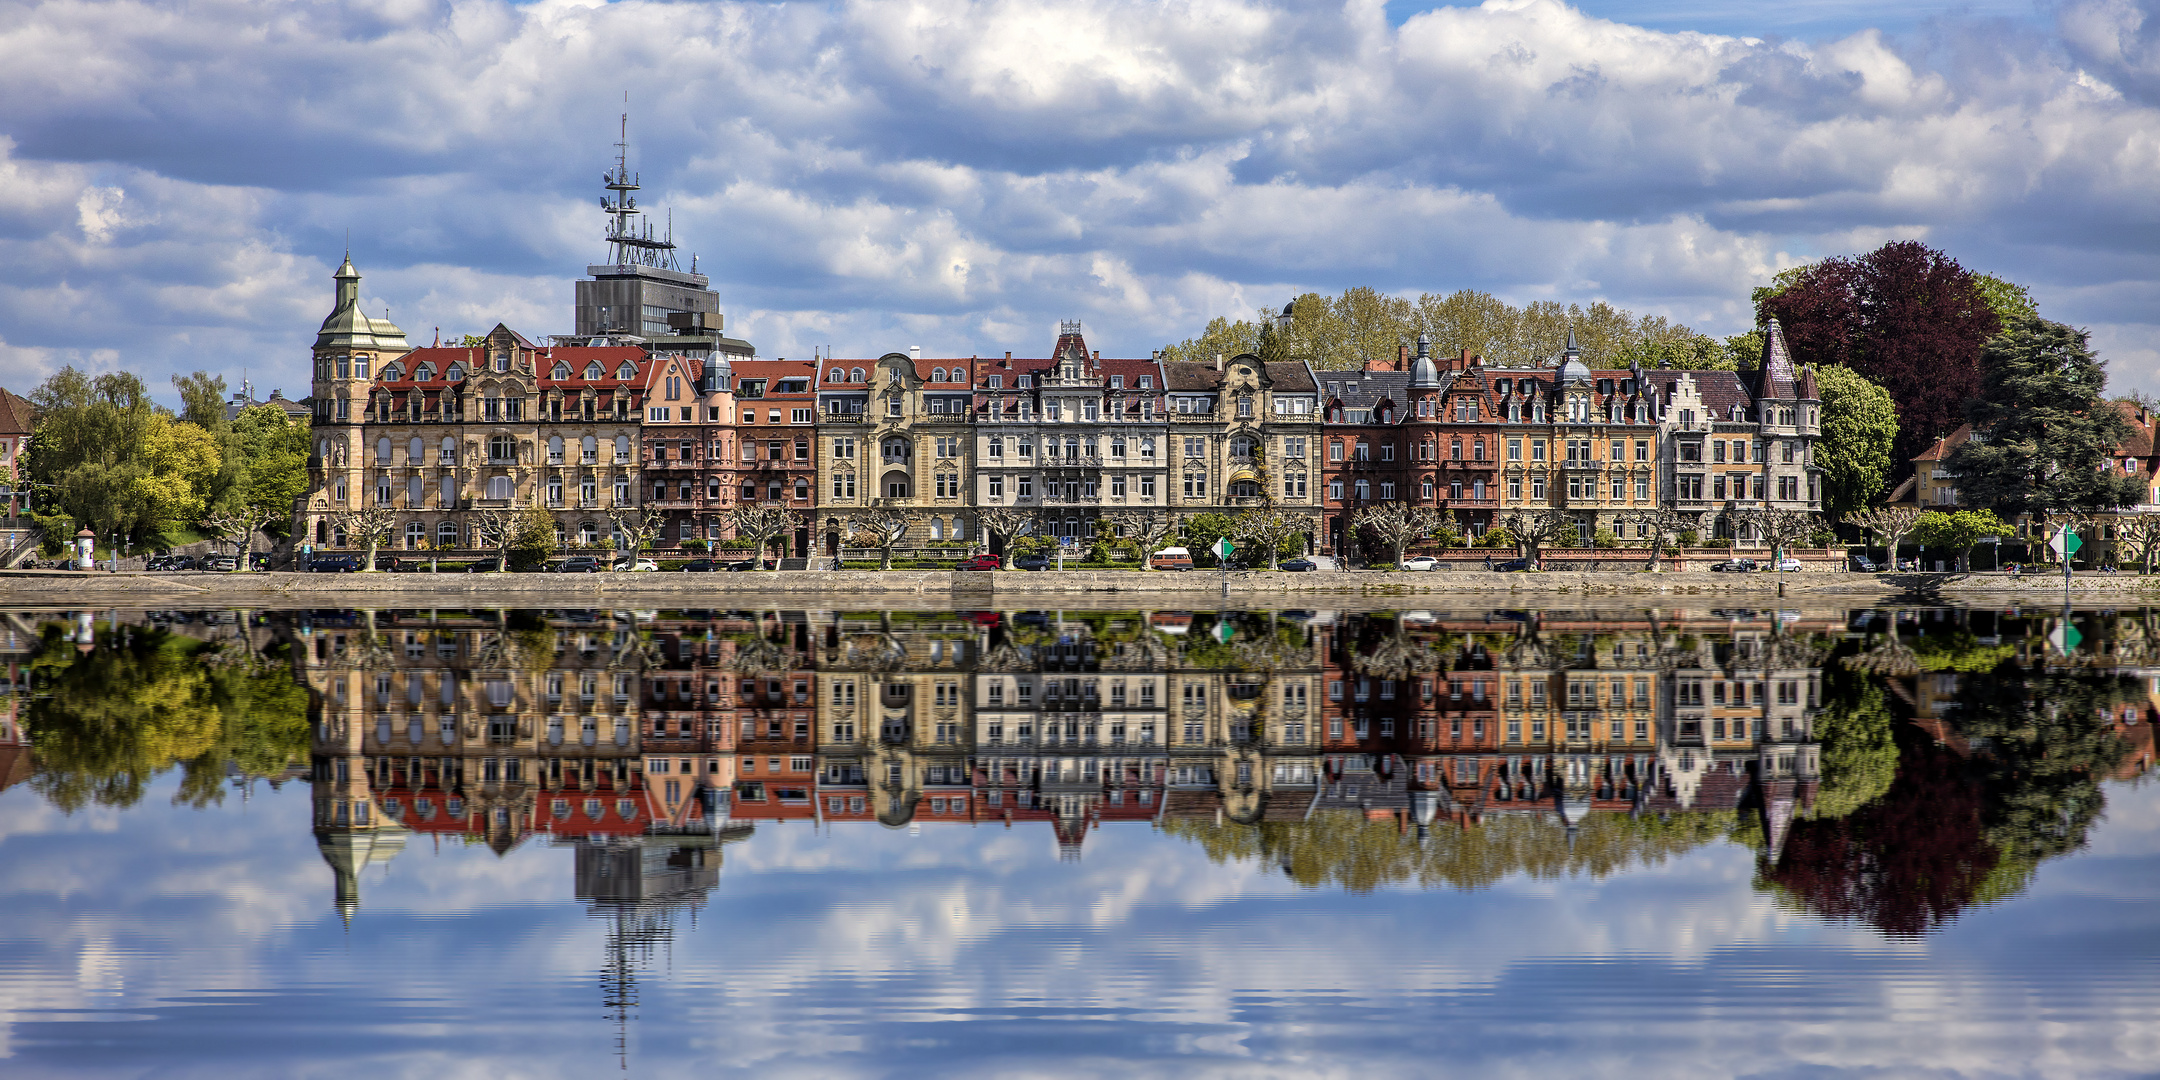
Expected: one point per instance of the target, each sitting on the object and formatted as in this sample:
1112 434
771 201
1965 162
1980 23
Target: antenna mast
630 238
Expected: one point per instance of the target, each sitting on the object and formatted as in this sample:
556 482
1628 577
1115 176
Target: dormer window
856 375
1147 382
594 371
455 374
996 382
627 371
1117 382
834 376
937 374
391 373
424 373
1023 381
561 371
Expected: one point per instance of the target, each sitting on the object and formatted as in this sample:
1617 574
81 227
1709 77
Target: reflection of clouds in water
975 952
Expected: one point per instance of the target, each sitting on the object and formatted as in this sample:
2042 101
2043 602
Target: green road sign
1224 632
2065 638
2065 543
1224 547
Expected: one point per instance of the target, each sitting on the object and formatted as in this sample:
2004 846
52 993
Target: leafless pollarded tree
1269 530
1533 529
1396 525
762 525
882 528
1010 523
369 526
1892 523
1783 529
2137 536
1146 528
638 525
1664 526
238 527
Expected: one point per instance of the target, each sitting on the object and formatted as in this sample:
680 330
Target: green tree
1202 530
2044 433
202 400
1221 337
1959 531
1859 426
275 449
114 461
2011 302
534 538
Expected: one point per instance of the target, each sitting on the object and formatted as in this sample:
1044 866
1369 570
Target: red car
981 562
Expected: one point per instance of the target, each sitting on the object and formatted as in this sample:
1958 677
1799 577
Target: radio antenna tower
630 237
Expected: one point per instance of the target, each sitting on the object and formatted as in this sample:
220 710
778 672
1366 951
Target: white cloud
958 175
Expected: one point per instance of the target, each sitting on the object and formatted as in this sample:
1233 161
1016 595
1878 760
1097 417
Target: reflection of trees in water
106 721
1345 849
1975 802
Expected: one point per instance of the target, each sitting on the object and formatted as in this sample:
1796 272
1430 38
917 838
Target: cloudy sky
177 180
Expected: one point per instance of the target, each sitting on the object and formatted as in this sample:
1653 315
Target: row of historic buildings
608 425
650 409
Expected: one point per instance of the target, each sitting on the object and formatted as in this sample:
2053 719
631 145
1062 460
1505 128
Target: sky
178 180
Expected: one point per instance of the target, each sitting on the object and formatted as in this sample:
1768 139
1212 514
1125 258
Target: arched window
499 487
896 486
382 451
802 489
856 375
749 491
588 533
415 535
622 448
555 449
416 451
937 529
449 451
594 372
415 491
628 370
589 450
937 374
896 450
834 376
560 371
959 529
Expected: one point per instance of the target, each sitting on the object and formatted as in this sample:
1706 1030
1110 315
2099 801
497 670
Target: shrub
1690 538
1605 539
1497 538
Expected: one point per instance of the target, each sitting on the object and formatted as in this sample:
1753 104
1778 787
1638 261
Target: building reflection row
677 727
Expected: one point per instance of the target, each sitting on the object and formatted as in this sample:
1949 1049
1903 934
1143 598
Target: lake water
1080 843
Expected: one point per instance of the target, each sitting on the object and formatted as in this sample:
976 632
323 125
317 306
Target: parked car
581 564
1734 566
981 562
744 565
703 566
1171 558
636 565
1299 565
170 562
1419 562
1863 564
1510 566
1032 562
334 564
1789 565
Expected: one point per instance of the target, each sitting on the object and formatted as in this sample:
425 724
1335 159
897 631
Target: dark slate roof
1774 377
1182 375
1291 378
1720 390
1364 389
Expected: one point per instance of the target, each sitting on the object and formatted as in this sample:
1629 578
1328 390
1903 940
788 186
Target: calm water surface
1130 843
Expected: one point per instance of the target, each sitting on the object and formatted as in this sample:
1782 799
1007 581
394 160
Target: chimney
1098 354
1218 361
1008 356
914 352
1402 357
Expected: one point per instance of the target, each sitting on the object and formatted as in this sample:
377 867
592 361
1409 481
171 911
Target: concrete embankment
944 588
941 588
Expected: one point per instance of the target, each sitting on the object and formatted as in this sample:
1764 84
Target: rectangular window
1147 487
997 487
1027 487
1514 449
1117 486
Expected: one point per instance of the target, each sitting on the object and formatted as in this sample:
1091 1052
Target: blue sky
177 181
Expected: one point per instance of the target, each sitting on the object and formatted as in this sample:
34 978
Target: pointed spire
1778 375
1571 350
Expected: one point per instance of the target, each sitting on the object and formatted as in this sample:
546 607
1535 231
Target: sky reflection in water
170 939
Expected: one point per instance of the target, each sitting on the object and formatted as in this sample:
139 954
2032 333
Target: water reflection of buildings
642 737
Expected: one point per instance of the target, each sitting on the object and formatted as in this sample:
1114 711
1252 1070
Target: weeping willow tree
108 721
